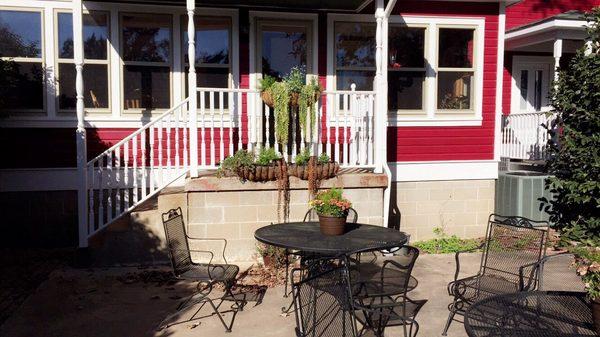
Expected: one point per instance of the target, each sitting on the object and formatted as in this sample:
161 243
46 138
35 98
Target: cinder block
227 231
206 215
222 198
240 213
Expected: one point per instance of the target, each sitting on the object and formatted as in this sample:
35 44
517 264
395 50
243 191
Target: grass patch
445 244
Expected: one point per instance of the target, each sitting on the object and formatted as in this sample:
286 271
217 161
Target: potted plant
587 260
332 209
273 257
265 167
322 165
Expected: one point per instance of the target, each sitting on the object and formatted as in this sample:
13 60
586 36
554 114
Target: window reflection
282 49
146 38
20 34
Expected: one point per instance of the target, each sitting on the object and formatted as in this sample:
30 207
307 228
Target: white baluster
231 121
152 179
169 163
143 163
161 163
202 127
325 113
119 181
238 110
109 183
267 111
336 120
221 134
177 158
126 171
135 175
346 138
212 128
185 123
91 203
101 191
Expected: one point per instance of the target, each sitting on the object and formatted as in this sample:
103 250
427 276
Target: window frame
41 60
123 63
58 61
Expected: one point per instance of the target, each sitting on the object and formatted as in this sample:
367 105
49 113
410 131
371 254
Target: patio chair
511 248
556 273
390 287
206 274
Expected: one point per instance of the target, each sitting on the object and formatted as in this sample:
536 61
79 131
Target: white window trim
431 48
515 92
17 113
58 61
119 118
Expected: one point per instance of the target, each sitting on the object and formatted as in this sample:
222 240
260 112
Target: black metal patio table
306 237
529 314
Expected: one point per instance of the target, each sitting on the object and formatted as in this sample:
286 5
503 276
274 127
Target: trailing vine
281 100
283 191
309 94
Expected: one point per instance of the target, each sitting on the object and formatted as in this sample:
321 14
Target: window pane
282 49
524 89
21 85
95 35
95 81
212 40
407 47
405 90
146 38
455 90
456 48
211 78
20 34
146 87
362 79
355 44
538 91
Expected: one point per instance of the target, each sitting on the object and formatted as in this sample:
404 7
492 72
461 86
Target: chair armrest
457 258
212 239
531 282
212 255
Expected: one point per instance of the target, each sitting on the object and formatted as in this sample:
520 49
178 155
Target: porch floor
110 302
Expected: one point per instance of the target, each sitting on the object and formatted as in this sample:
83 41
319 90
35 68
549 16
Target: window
146 50
213 53
456 69
96 69
406 68
354 55
22 67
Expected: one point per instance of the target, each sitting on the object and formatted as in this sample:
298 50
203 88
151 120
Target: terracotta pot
332 226
267 98
596 315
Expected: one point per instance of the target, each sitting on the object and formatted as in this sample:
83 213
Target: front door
532 76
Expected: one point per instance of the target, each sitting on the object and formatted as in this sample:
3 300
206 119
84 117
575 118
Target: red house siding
452 143
529 11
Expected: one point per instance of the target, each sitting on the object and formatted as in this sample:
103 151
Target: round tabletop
306 237
529 314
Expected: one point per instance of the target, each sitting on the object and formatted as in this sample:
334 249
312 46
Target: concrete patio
116 302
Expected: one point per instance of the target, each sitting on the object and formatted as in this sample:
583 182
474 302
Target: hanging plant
281 100
309 96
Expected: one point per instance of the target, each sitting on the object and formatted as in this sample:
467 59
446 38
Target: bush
574 149
444 244
588 267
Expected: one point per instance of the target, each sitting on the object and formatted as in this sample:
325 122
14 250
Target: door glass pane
20 34
355 44
538 90
282 49
95 35
95 81
524 89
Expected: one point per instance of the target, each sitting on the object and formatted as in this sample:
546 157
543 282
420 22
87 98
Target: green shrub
588 267
266 156
324 158
303 157
444 244
231 164
574 149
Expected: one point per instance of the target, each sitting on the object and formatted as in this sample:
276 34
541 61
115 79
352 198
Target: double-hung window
22 73
354 55
213 53
147 61
96 69
406 69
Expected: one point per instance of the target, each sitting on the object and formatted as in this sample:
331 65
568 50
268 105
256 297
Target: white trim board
444 170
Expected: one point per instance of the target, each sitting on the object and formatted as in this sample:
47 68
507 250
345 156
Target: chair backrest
510 245
311 215
558 273
323 302
518 221
398 271
177 243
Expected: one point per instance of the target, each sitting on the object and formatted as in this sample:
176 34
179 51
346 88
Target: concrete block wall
459 207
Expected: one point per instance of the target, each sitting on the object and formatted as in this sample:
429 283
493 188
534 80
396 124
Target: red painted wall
452 143
529 11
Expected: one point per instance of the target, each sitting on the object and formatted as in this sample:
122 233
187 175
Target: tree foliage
574 149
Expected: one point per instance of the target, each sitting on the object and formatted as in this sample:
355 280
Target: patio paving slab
112 302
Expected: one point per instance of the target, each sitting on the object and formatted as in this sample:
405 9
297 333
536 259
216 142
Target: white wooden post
380 86
558 50
192 89
82 206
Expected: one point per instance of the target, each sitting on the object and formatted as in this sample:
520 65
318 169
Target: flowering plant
331 203
587 260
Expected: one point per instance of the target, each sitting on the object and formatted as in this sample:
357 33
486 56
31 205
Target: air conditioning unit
518 193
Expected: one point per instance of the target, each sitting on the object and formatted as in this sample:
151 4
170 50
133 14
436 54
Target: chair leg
448 322
287 273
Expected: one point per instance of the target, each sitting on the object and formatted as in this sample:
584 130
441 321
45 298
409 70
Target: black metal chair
389 289
207 274
556 273
511 248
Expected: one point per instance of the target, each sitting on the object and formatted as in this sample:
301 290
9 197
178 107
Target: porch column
82 206
192 89
380 86
558 50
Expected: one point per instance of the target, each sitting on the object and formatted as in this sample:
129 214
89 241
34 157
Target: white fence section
524 136
137 167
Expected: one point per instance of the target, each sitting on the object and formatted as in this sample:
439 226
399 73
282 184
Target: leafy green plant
444 244
574 146
232 164
281 99
331 203
295 80
266 83
303 157
323 158
266 156
307 104
276 254
587 260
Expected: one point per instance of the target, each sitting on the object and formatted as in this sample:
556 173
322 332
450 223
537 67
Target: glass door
533 82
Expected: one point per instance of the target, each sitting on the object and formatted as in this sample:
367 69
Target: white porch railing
157 154
524 136
137 167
